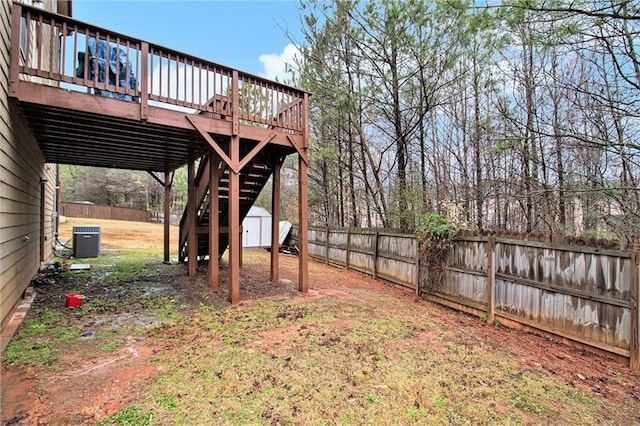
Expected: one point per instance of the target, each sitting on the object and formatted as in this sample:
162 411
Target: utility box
86 241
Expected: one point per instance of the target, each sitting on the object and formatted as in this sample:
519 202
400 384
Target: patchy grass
338 362
129 416
40 340
127 295
125 237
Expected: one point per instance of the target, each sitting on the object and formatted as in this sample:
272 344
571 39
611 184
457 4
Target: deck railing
61 51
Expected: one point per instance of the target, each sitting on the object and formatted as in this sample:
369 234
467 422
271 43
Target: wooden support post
241 235
303 158
168 180
192 238
214 221
14 60
634 346
303 268
491 279
43 246
275 221
234 230
234 199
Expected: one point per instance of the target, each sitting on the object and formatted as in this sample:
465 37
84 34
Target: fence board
469 255
467 286
95 211
594 320
634 326
337 243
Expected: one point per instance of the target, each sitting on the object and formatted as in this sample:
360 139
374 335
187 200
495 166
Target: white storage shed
256 228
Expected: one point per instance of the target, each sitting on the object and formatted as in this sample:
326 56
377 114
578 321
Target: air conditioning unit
86 241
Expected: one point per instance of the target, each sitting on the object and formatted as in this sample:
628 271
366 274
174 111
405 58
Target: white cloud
279 66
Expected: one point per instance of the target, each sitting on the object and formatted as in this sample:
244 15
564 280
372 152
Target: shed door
252 232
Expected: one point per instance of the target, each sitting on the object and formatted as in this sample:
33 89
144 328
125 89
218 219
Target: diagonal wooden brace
301 151
256 150
234 166
156 178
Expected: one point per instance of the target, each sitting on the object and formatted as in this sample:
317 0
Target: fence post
634 347
326 248
348 246
418 244
491 279
375 255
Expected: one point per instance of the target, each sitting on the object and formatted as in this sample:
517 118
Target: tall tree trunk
354 219
401 143
340 194
557 136
476 143
423 166
528 144
377 191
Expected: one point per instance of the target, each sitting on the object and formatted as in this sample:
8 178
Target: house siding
22 167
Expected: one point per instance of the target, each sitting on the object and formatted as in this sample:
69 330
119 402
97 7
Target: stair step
252 181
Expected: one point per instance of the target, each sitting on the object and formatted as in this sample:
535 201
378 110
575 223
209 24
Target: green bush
436 234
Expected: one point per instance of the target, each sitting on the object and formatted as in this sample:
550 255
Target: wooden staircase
253 178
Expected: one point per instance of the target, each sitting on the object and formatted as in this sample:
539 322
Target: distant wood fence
382 254
584 293
95 211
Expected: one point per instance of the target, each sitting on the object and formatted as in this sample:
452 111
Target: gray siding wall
22 167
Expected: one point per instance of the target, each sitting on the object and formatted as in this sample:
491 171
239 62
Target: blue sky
246 35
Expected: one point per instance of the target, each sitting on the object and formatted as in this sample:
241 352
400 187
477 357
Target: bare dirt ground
87 385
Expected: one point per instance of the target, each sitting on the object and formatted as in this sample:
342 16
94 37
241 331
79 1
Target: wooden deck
67 76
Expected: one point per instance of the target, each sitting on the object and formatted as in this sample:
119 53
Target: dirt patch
78 395
98 388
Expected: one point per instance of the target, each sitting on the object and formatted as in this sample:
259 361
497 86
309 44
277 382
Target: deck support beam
303 266
234 228
235 165
240 235
303 164
14 60
214 223
234 201
275 220
192 238
168 182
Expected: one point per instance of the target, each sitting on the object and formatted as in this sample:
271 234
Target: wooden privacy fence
95 211
587 294
382 254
